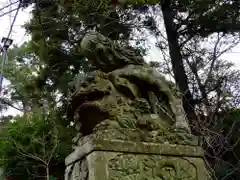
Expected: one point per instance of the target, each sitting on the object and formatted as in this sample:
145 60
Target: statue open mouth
89 111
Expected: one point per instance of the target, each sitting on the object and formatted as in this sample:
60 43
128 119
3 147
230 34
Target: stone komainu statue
107 55
125 99
130 121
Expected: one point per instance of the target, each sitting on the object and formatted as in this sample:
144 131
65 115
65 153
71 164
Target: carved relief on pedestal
77 171
150 167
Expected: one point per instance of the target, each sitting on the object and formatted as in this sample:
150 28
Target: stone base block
122 160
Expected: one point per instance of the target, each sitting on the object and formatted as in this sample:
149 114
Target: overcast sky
19 35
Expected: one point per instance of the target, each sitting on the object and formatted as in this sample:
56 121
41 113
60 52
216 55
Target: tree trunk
47 173
177 60
25 105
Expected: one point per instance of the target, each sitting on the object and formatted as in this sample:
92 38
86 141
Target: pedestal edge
132 147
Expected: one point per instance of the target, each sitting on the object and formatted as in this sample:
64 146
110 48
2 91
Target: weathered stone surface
77 171
124 93
112 102
108 55
118 160
129 120
167 136
151 167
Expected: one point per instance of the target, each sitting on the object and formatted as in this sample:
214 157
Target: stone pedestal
125 160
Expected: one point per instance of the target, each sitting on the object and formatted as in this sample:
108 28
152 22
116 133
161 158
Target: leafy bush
35 146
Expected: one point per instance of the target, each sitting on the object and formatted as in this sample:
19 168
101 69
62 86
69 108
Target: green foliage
57 29
33 142
202 17
21 69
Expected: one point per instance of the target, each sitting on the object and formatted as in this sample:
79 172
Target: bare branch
11 105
